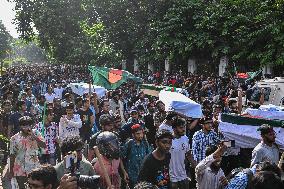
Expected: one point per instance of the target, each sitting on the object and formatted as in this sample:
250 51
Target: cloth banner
247 136
81 88
266 114
179 103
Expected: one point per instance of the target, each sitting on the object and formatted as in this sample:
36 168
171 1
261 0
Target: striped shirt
200 141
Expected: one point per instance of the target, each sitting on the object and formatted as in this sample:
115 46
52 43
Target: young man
203 138
24 151
267 150
43 177
133 153
167 123
21 111
88 120
50 95
160 115
108 146
155 168
106 123
49 131
209 174
180 150
69 124
71 144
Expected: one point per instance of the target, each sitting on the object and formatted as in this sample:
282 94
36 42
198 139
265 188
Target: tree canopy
5 38
108 31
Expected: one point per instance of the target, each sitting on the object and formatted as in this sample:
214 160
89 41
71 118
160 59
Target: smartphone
229 143
71 160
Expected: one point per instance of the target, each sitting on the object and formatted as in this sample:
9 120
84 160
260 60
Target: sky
7 15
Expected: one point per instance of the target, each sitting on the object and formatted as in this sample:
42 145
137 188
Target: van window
254 94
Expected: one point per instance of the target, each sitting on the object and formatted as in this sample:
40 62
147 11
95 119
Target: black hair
25 120
71 144
20 104
70 106
105 119
232 101
267 166
103 102
266 180
46 174
78 99
177 121
170 116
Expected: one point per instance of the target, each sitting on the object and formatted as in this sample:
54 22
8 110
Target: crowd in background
142 145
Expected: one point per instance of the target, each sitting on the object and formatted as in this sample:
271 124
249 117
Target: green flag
110 78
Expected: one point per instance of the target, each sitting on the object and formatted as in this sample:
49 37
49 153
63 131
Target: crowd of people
126 139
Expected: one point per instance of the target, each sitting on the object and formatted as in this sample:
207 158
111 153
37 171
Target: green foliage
107 31
4 41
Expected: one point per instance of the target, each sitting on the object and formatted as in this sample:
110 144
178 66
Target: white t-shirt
71 128
49 97
180 146
166 127
58 92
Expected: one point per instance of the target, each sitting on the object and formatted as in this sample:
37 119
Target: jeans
183 184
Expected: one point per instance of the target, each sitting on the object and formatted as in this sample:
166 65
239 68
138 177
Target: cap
163 133
136 127
265 129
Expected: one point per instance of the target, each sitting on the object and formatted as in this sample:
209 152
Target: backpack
247 171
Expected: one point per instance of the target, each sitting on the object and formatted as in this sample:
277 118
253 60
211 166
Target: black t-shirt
86 121
156 171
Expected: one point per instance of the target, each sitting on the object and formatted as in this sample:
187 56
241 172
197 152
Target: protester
267 150
24 151
49 131
155 168
108 146
203 138
180 150
209 175
42 177
83 166
69 124
133 153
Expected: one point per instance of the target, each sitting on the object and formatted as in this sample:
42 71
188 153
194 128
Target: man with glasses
24 151
266 150
203 138
155 168
83 166
43 177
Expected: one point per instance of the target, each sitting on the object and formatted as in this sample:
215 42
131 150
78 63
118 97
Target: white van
273 91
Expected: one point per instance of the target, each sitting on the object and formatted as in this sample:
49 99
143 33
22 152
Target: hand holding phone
229 143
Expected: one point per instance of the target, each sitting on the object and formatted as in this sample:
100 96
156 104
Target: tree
5 38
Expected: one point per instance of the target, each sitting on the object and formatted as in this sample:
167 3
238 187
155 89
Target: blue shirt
134 154
201 141
240 181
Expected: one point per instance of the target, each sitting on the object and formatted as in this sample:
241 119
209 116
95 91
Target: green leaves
4 41
107 31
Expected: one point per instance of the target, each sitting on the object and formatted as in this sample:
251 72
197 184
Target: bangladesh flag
110 78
